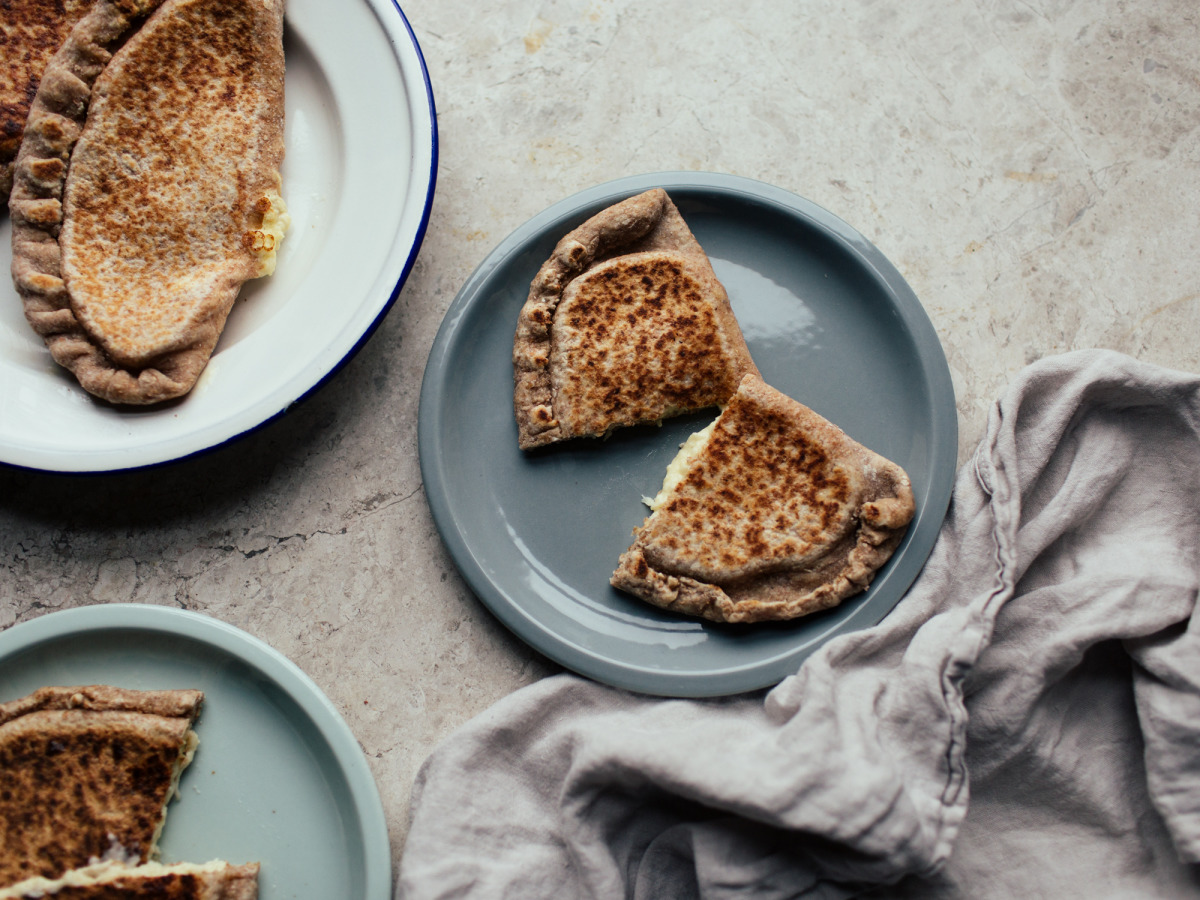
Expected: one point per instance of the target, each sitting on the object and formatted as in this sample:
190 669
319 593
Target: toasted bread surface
30 33
149 166
110 880
625 323
88 773
778 515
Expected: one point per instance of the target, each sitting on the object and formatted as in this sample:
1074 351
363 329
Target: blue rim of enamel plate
423 165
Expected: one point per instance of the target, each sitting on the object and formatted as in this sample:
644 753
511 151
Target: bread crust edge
881 521
643 222
40 170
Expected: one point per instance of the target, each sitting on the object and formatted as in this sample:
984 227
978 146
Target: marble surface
1030 167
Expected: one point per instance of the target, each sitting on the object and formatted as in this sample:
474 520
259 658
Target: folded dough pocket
170 120
771 513
626 323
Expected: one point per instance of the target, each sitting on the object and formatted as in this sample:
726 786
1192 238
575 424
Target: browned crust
63 301
780 516
227 883
239 883
105 698
30 32
85 767
645 233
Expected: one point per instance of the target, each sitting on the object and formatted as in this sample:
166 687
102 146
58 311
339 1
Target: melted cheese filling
688 451
190 742
266 240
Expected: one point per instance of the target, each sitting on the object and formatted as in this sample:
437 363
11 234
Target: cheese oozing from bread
265 240
677 469
770 514
186 753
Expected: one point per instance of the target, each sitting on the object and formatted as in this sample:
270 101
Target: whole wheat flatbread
625 323
142 186
780 514
87 774
30 32
108 880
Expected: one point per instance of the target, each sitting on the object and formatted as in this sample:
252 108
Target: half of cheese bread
770 513
110 880
30 32
147 188
625 323
87 773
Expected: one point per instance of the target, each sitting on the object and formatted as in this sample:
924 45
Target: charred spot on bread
625 323
772 513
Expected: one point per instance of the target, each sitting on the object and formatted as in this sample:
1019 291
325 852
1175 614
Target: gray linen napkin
1047 662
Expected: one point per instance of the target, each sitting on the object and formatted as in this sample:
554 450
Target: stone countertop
1031 168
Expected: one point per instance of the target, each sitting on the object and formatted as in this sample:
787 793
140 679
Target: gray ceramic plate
278 777
829 321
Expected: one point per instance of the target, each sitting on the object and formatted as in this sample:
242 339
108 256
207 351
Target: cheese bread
625 323
771 513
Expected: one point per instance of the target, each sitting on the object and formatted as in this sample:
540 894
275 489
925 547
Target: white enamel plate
358 178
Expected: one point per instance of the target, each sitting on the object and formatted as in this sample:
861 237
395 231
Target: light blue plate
828 320
278 778
361 146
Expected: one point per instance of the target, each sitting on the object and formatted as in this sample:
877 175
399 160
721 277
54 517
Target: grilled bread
147 188
625 323
87 775
109 880
770 513
30 32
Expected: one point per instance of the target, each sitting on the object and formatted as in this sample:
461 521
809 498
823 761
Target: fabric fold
1025 722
